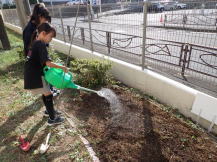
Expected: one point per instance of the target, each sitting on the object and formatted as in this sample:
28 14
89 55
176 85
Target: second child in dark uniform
37 59
40 15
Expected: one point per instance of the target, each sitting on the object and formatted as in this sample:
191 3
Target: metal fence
183 43
176 39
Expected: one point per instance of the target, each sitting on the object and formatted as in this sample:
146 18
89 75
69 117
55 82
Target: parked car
180 5
169 6
156 7
76 2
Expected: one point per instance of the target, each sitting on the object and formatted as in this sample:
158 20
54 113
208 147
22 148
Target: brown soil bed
139 131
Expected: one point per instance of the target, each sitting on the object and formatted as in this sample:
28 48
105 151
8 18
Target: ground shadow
14 121
40 138
35 128
7 138
14 70
152 148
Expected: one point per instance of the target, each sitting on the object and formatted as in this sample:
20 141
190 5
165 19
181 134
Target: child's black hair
46 27
40 11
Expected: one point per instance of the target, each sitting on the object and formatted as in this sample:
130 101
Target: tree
3 35
23 11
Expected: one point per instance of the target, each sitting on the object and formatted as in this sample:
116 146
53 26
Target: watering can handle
46 68
70 74
73 85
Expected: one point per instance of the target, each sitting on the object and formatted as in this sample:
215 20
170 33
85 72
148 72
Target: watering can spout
72 85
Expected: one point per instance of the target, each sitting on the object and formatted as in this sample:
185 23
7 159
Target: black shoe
57 113
57 120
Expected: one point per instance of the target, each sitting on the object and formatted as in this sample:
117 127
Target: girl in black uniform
40 15
37 59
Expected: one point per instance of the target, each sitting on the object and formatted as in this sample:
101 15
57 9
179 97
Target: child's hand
65 69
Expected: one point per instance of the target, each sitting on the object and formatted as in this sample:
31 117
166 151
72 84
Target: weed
53 139
73 155
72 132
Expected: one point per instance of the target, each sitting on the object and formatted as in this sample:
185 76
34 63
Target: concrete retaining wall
164 89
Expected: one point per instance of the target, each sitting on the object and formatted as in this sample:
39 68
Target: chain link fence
176 39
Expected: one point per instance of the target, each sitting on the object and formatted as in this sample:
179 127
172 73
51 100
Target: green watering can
57 78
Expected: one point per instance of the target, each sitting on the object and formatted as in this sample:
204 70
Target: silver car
180 5
169 6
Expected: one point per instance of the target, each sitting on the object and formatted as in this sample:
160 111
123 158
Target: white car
169 6
75 2
180 5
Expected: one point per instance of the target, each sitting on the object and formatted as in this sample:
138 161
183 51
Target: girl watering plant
37 59
39 15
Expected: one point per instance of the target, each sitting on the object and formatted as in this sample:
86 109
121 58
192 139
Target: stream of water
111 97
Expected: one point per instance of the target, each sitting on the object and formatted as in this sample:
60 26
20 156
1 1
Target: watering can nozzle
72 85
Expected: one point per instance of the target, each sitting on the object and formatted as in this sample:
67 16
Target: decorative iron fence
179 43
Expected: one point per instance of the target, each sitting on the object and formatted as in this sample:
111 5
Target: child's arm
51 64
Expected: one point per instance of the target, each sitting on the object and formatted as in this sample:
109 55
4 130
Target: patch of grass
9 57
19 113
77 155
54 139
72 133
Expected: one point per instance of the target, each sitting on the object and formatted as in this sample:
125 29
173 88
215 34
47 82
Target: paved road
132 24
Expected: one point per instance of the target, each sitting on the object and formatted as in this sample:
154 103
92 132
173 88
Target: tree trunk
23 11
3 35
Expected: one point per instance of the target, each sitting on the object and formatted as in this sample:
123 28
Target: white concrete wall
14 28
166 90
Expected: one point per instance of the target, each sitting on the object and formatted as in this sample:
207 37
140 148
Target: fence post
184 20
144 33
69 32
90 30
82 35
216 23
185 49
51 3
108 41
165 20
60 14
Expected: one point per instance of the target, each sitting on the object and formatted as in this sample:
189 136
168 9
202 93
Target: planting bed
133 128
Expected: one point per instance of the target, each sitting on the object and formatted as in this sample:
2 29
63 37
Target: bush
91 73
55 56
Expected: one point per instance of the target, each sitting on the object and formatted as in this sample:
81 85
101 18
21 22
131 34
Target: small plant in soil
72 133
